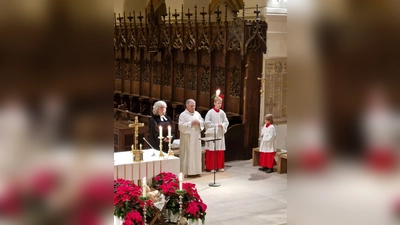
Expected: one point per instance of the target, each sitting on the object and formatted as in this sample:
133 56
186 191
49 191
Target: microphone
149 145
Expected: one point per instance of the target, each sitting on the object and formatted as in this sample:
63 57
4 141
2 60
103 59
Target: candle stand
161 155
170 152
182 220
144 199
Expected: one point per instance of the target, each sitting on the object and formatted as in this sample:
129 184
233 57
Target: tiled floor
246 195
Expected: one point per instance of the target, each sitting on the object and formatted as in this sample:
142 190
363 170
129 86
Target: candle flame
218 91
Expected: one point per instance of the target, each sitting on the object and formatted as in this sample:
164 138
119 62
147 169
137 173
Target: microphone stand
154 154
215 157
215 153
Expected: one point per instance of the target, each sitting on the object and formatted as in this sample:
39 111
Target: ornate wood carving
234 39
157 73
218 42
167 72
192 79
180 75
153 30
146 72
132 30
166 34
127 73
235 82
118 69
205 79
220 77
204 36
136 71
190 51
142 33
257 40
190 42
177 39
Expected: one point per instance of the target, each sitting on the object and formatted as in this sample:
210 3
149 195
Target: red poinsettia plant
168 183
133 218
127 203
193 206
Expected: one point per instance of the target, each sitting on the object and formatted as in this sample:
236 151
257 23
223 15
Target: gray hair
157 105
189 101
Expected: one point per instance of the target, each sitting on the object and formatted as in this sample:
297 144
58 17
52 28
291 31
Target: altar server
267 145
216 124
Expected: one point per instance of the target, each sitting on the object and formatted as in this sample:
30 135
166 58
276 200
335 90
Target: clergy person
190 126
160 118
216 124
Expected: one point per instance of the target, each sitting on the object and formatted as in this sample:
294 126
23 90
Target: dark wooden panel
127 86
179 78
233 83
234 142
204 79
117 85
191 75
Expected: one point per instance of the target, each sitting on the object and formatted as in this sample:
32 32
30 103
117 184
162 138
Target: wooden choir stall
177 56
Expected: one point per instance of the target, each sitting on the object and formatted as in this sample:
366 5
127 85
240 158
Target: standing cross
257 12
189 14
203 14
140 17
218 12
262 79
175 15
136 125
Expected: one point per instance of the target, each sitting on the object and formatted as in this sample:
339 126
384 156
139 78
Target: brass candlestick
182 220
137 154
170 152
161 155
144 199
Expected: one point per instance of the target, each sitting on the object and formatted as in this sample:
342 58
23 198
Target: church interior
178 50
58 72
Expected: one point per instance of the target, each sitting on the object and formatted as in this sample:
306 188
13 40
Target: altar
151 166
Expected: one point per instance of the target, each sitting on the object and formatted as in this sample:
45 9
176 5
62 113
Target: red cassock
220 159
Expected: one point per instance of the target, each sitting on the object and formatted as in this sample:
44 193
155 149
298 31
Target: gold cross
136 125
262 79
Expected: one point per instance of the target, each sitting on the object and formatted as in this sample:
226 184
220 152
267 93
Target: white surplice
190 145
212 120
268 140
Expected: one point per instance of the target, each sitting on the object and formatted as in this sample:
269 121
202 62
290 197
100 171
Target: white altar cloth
151 166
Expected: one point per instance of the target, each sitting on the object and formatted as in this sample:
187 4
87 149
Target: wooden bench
256 156
282 160
282 163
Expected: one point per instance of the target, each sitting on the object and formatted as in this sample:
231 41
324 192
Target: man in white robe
190 126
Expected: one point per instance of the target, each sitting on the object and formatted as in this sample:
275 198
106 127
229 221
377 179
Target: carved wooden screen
186 55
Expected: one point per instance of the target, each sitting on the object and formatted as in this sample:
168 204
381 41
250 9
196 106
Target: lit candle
160 128
169 131
180 181
140 147
217 93
144 186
